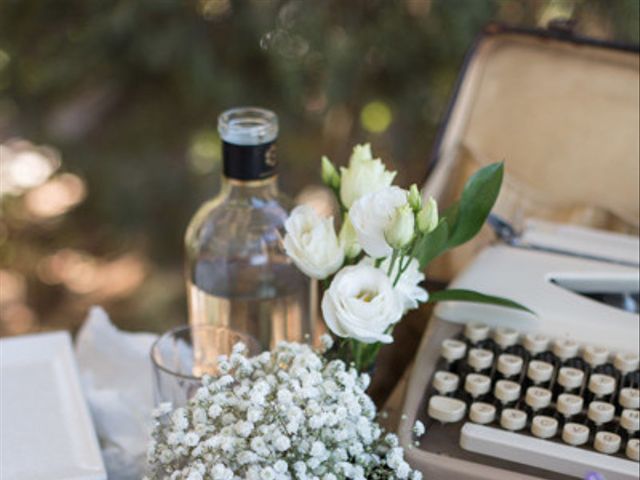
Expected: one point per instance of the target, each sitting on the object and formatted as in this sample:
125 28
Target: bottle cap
630 420
595 355
445 382
248 136
509 365
480 359
569 405
600 412
453 350
482 413
512 419
543 426
506 391
601 385
575 434
570 378
629 398
607 442
536 343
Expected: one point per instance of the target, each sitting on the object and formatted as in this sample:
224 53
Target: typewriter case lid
562 112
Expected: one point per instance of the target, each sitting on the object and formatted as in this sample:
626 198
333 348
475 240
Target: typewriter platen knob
446 410
536 343
453 350
569 405
445 382
544 427
601 385
570 378
607 442
626 362
512 419
630 420
630 398
595 355
565 348
507 391
633 449
476 332
539 372
600 412
482 413
575 434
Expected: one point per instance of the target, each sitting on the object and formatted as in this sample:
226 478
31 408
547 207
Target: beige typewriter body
564 116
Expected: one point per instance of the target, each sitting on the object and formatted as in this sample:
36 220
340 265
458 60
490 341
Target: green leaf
478 197
432 244
461 295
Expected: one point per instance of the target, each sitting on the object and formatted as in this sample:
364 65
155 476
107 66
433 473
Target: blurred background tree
107 123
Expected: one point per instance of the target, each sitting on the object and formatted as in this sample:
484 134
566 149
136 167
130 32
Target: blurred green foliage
128 92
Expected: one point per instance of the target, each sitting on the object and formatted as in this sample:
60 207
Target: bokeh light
376 116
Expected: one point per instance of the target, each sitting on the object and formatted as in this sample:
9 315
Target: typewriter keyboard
531 396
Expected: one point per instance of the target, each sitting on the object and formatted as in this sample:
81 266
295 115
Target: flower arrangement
286 414
372 268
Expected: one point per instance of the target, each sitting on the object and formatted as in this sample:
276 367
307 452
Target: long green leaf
461 295
478 197
432 244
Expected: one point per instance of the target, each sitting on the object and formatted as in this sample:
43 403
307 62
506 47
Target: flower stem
394 257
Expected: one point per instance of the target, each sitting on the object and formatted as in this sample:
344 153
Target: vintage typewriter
505 394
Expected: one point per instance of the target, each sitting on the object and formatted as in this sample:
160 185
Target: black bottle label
249 162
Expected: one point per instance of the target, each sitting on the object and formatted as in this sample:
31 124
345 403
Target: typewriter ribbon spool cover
563 114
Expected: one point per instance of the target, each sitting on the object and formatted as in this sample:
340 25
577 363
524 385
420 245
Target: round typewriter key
453 350
482 413
565 348
626 362
505 337
509 365
539 372
601 385
477 385
607 442
544 427
595 355
476 332
480 359
537 398
512 419
445 409
506 391
569 405
445 382
633 449
536 343
570 378
575 434
600 412
630 420
629 398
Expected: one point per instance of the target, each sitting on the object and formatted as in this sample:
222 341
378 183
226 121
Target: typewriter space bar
544 454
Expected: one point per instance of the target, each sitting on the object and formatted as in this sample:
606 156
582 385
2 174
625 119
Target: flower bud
428 216
414 198
400 230
330 175
349 239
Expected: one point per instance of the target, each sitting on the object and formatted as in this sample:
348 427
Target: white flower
372 214
312 243
400 230
408 286
428 216
364 175
361 304
349 239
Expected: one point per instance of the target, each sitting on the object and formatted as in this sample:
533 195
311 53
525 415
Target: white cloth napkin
116 374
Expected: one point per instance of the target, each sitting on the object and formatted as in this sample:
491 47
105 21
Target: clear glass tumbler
180 359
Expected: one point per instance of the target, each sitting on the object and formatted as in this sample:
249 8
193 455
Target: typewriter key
509 366
476 386
536 344
453 351
599 414
537 399
512 419
607 442
633 449
476 333
601 387
480 360
569 405
482 413
566 350
575 434
630 422
595 356
505 338
629 398
544 427
445 409
627 364
569 380
445 383
539 373
507 393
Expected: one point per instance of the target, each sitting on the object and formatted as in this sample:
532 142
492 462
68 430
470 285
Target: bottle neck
237 189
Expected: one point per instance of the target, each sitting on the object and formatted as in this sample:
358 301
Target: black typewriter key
627 365
453 352
480 360
607 442
477 335
505 339
569 380
575 434
543 426
477 387
537 346
509 367
537 401
539 374
601 387
446 383
568 407
599 416
513 420
629 424
506 394
632 450
482 413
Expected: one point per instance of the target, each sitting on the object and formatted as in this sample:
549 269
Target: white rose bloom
364 175
362 304
372 214
312 243
408 286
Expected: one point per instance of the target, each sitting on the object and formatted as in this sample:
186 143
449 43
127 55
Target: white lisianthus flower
362 304
349 239
400 230
428 216
364 175
372 215
408 287
312 243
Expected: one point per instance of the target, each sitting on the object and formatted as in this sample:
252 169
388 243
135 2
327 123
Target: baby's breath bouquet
282 415
372 269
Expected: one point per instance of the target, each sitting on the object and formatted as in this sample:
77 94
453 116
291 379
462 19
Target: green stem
394 257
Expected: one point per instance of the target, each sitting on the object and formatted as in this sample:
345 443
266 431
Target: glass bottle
238 274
